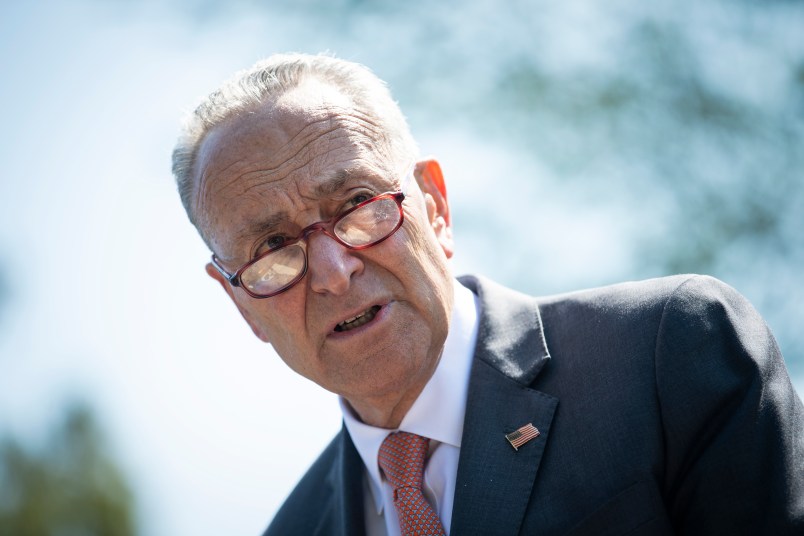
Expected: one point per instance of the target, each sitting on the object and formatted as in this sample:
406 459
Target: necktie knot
401 458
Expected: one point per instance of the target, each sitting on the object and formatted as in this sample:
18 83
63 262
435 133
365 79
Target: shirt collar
439 410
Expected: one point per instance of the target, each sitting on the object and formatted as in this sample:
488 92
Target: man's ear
217 276
431 181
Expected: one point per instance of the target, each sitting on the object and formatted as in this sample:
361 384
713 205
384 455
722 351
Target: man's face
307 158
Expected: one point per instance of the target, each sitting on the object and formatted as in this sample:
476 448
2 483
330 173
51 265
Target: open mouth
355 322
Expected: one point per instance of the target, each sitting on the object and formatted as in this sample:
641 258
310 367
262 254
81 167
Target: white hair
267 81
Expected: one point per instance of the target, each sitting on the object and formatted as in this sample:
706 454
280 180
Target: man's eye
359 198
273 242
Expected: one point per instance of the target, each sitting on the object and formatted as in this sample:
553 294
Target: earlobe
443 232
431 181
227 287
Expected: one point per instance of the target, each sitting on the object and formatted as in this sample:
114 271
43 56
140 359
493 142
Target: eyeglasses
362 226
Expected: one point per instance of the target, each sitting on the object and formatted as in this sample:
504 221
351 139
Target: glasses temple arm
406 181
232 279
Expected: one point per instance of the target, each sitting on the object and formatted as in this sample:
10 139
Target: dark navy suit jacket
664 407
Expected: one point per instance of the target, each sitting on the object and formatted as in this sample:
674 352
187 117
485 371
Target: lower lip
378 318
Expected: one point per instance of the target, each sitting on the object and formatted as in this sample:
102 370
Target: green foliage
67 487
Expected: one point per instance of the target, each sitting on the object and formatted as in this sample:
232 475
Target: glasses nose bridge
326 227
310 229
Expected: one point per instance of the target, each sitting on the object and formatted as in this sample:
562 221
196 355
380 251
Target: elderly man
656 407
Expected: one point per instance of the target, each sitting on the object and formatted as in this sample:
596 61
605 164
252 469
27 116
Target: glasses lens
275 271
370 223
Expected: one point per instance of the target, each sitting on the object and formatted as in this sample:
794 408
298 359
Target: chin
388 380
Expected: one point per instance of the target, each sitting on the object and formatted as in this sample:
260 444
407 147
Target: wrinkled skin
303 159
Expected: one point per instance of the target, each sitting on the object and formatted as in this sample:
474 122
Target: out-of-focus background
583 142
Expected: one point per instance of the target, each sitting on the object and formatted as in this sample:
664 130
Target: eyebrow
325 188
263 225
334 183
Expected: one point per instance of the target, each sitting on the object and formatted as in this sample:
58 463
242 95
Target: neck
384 414
388 409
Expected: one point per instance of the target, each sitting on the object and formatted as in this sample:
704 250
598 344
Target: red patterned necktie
402 460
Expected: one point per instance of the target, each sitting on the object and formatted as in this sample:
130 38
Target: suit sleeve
733 424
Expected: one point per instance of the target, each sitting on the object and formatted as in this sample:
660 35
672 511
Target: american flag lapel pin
522 435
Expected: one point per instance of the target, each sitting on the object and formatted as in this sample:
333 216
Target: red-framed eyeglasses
362 226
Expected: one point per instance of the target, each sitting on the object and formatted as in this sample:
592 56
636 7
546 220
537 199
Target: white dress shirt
437 413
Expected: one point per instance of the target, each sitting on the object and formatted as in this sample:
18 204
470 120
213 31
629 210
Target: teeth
359 320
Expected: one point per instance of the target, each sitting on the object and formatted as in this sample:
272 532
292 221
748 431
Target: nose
330 266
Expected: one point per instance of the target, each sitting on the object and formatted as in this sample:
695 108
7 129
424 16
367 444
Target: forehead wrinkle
265 168
340 121
324 188
336 117
293 162
301 142
299 166
302 159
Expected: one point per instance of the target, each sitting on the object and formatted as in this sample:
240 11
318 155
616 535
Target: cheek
426 274
296 353
425 252
282 320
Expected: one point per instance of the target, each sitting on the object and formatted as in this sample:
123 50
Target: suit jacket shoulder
664 405
328 500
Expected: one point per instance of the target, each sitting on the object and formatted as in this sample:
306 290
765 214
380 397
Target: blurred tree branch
69 486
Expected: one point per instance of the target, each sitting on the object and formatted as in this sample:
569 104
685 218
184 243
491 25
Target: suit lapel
494 481
346 517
